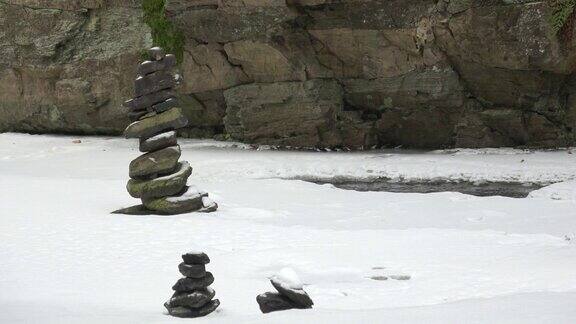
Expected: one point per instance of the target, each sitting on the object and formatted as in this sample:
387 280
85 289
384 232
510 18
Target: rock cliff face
67 65
311 73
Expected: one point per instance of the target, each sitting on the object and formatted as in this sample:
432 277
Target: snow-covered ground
65 259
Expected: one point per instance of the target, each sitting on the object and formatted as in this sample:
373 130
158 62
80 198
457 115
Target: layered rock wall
66 66
306 73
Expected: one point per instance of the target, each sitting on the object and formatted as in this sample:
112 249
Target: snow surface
65 259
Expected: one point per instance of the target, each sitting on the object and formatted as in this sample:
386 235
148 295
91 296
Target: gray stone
165 105
138 210
297 296
147 101
192 270
194 299
186 312
192 284
166 121
153 82
157 163
160 187
189 200
195 258
167 63
156 53
272 302
158 142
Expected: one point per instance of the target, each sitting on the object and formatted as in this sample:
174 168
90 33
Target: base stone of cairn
193 296
157 177
290 295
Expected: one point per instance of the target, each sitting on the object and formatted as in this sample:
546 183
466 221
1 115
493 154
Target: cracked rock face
67 65
304 73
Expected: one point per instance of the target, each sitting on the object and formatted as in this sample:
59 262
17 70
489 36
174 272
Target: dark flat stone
298 296
147 67
165 105
134 210
191 284
195 258
146 101
195 299
156 163
166 121
158 142
186 312
273 302
153 82
160 187
192 270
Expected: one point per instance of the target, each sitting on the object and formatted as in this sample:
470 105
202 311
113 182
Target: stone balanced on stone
157 177
193 296
290 294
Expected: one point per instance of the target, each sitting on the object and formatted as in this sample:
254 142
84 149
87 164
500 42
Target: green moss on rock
561 12
164 33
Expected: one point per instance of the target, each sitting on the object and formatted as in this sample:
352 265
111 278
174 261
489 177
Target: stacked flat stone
192 295
157 177
290 294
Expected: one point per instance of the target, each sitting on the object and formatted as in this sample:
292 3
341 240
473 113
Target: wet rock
158 142
192 270
156 163
195 258
272 302
188 201
192 284
186 312
161 187
195 299
169 120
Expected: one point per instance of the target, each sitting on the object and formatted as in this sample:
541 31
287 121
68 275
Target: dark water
484 189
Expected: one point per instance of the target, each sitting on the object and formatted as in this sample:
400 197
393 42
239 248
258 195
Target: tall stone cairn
157 177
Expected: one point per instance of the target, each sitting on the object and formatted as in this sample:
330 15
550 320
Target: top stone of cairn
156 53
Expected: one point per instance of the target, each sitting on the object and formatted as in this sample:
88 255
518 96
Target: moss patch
164 34
561 12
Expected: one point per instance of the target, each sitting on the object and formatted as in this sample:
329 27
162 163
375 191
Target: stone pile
290 294
193 297
157 177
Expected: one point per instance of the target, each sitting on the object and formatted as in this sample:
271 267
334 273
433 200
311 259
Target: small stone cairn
290 294
193 297
157 177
